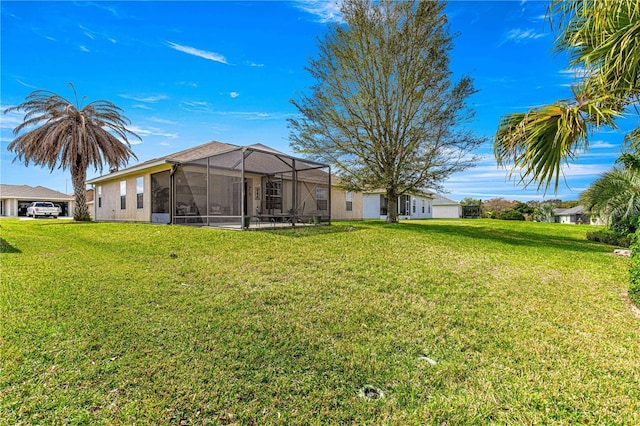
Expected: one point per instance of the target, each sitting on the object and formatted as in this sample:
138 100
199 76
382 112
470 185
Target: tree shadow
499 234
5 247
310 231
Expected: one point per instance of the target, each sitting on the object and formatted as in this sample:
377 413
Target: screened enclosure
249 186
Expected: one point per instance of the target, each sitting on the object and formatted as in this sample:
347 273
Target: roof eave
129 170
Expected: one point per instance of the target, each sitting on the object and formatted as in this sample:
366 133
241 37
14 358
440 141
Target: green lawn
105 323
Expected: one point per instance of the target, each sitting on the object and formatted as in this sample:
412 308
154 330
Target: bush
608 236
511 214
634 271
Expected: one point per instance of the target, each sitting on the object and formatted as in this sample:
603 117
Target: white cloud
84 49
518 35
574 170
253 64
11 119
26 84
234 94
325 11
142 98
212 56
151 131
195 106
246 115
163 121
576 72
141 106
602 144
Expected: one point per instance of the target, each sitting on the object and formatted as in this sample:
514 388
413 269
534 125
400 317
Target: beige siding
110 210
339 205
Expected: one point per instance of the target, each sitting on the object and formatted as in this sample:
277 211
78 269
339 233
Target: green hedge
608 236
634 271
511 214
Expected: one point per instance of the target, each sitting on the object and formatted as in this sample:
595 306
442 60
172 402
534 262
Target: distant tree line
539 211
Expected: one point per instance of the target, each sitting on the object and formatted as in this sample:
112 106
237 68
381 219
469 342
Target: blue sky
186 73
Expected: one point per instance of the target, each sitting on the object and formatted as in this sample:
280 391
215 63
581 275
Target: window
140 192
404 202
322 198
349 201
383 205
273 195
123 195
423 206
99 196
414 205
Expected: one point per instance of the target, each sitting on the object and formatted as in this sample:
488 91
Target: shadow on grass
310 231
499 234
5 247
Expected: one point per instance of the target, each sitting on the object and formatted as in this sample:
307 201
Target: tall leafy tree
71 136
384 112
602 38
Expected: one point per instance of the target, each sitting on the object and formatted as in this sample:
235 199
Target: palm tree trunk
79 179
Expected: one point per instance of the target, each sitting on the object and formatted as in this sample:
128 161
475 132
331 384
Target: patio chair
295 215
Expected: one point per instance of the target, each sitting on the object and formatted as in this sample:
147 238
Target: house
89 200
345 205
445 208
574 215
220 184
417 205
14 199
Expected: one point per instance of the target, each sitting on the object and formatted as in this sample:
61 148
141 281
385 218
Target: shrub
608 236
634 271
511 214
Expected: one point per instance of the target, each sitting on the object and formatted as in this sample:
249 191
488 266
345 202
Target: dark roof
32 192
198 152
257 163
569 212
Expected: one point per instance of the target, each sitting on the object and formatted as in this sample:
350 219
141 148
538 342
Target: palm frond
615 196
602 36
63 135
539 142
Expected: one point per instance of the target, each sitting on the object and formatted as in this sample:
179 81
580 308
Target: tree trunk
79 179
392 206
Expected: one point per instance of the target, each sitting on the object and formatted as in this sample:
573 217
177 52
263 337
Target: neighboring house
417 205
574 215
219 184
89 200
14 199
445 208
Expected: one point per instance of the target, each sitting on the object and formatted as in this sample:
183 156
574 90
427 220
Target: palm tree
603 38
615 197
72 137
544 212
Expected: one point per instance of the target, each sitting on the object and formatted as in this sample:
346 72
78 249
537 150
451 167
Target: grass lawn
451 322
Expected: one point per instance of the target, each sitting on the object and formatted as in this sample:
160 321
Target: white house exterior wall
371 207
418 214
447 211
566 219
